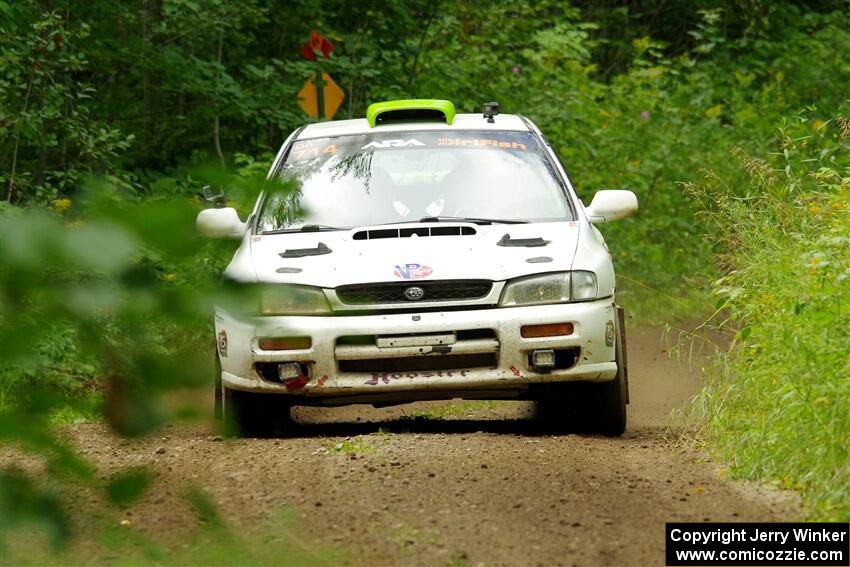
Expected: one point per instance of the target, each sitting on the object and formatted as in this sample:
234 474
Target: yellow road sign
333 97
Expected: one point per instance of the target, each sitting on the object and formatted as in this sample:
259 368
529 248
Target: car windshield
361 180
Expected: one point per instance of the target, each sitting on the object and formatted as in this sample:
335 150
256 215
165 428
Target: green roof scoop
411 110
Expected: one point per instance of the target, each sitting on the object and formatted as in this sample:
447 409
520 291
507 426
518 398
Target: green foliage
126 487
639 95
107 297
22 502
283 543
105 290
360 445
659 122
204 507
779 407
46 121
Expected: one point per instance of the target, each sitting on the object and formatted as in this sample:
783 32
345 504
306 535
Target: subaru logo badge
414 293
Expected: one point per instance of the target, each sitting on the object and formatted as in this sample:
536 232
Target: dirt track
469 486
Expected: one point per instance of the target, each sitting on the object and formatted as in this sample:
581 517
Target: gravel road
469 483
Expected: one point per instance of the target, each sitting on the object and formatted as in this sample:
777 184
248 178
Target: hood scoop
319 250
506 240
420 231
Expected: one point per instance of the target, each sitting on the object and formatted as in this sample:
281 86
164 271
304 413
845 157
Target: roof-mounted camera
491 109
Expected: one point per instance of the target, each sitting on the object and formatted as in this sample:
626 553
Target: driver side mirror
610 205
220 223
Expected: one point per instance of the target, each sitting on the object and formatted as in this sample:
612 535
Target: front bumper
489 359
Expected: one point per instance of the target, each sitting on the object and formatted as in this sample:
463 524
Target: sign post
320 97
319 81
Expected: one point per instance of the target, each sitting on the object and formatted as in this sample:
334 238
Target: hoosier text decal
385 377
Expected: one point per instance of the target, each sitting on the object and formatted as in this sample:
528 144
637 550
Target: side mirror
612 204
220 223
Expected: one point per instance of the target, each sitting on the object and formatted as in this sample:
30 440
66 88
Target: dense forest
728 118
645 95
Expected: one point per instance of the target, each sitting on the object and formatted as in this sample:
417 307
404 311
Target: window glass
361 180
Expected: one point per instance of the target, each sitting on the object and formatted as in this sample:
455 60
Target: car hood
495 252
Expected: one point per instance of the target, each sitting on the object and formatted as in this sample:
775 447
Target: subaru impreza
422 254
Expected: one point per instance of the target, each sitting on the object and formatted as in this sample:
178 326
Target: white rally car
424 255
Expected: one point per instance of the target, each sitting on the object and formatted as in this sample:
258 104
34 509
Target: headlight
583 286
537 290
284 299
549 288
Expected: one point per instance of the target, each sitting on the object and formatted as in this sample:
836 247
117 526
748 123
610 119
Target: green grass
277 542
656 305
453 410
360 445
777 406
407 537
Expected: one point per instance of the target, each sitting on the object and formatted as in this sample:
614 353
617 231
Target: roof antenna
491 109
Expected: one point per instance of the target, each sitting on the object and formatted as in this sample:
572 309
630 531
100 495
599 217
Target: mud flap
217 408
621 325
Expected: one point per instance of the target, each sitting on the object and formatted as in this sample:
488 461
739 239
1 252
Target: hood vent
319 250
506 240
420 231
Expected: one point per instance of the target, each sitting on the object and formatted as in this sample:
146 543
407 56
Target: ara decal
515 371
322 380
412 271
392 144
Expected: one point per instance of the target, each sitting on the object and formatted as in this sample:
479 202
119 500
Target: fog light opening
288 371
292 374
543 360
565 358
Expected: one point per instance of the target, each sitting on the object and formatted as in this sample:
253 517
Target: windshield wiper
305 228
474 220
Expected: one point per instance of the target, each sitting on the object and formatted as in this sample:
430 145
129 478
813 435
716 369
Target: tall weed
780 409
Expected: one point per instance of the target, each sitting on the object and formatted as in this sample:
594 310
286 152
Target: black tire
248 414
594 407
611 397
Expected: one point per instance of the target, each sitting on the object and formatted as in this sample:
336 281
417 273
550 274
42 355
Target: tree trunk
11 191
411 79
38 178
216 125
151 15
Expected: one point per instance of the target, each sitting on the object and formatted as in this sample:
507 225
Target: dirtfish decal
412 271
392 144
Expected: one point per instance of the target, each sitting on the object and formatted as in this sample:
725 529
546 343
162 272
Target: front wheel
598 407
610 397
248 414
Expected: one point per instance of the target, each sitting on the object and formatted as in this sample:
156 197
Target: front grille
463 335
378 293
